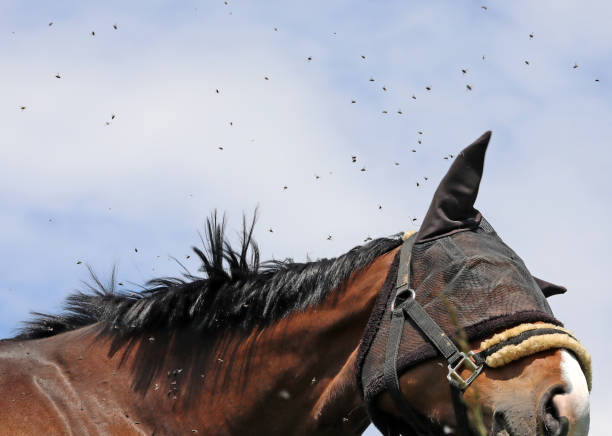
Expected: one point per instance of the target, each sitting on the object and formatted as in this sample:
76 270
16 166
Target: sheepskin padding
408 234
517 330
552 337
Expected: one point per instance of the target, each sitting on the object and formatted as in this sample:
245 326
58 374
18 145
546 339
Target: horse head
509 367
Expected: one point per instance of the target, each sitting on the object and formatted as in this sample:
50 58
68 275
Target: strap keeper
455 358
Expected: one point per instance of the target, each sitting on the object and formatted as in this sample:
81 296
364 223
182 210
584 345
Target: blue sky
74 188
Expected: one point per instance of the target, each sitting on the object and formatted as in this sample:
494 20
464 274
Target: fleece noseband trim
408 234
517 330
528 339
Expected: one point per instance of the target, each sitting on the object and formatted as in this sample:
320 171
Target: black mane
236 293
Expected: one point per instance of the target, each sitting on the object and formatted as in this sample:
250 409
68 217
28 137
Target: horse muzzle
561 410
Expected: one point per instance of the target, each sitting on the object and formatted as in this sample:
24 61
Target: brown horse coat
300 379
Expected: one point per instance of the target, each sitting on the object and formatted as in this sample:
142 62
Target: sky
192 106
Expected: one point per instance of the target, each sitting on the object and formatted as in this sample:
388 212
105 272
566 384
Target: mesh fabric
473 271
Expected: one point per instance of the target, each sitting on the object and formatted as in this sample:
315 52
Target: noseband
499 350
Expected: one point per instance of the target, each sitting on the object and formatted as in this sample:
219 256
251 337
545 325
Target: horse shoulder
29 398
38 390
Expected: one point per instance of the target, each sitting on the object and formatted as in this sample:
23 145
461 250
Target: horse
281 347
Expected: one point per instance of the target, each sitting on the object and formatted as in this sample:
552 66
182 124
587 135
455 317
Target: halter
404 305
461 266
499 350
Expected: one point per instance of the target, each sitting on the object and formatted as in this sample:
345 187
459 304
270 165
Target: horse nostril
500 424
552 424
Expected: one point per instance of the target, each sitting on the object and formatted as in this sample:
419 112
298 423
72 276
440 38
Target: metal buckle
465 361
399 295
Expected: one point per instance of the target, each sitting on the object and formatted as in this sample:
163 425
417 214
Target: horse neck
300 372
302 366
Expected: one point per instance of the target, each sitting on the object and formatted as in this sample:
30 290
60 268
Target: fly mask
455 274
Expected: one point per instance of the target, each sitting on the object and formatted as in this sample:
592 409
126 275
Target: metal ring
399 294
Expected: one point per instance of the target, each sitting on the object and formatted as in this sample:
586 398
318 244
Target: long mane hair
236 295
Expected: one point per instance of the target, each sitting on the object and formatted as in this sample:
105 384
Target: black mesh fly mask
455 274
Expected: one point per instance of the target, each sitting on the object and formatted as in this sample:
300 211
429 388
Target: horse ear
549 289
452 208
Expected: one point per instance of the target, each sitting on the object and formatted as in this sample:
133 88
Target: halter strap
404 305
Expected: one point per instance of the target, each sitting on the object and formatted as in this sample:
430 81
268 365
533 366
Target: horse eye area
551 423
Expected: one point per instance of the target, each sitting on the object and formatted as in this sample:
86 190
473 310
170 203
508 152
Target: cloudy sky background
74 188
